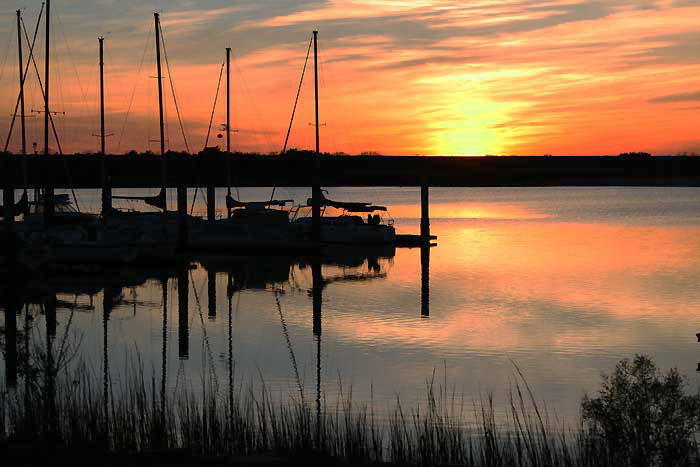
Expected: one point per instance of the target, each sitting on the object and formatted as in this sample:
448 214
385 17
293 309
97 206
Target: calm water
562 282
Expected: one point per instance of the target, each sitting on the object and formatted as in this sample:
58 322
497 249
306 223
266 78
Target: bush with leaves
644 417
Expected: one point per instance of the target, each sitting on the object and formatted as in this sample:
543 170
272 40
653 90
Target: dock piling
181 217
424 213
211 203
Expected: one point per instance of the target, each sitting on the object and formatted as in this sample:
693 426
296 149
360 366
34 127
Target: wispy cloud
682 97
398 76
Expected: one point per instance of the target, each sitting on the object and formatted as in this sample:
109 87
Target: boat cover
157 201
232 203
350 207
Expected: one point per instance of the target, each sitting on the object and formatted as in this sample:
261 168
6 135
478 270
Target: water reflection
425 281
73 290
591 276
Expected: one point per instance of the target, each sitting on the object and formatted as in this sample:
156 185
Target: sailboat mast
21 81
46 78
102 105
316 188
316 87
160 108
106 192
48 190
228 101
228 129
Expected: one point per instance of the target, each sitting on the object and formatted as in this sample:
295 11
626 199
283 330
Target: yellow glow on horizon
472 127
470 122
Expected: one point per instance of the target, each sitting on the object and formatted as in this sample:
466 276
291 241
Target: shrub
642 416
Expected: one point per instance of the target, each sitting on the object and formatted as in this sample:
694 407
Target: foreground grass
74 410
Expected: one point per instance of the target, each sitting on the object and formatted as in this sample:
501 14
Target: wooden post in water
425 279
424 212
181 212
316 188
183 331
211 203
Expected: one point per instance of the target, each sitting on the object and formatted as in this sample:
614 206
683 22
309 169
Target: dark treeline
296 168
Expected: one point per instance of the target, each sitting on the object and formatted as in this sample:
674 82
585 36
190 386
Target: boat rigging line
296 100
50 115
285 331
172 89
90 108
294 109
26 70
216 98
133 91
7 53
211 120
212 365
261 123
41 88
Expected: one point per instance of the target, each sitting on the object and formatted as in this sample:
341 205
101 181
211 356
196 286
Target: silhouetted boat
349 228
251 225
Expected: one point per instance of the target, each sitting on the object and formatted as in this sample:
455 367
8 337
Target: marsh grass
137 416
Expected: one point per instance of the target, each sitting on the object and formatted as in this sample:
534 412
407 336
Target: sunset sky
423 77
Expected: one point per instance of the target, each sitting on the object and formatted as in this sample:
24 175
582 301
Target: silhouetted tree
634 154
642 416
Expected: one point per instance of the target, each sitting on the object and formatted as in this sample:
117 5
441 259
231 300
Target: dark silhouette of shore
208 169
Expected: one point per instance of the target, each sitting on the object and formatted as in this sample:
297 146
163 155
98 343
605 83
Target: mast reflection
11 308
317 299
107 304
183 333
211 295
49 368
164 357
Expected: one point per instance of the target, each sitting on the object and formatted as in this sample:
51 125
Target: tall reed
135 416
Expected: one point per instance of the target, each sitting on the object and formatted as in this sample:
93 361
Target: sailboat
252 224
71 237
348 228
154 233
